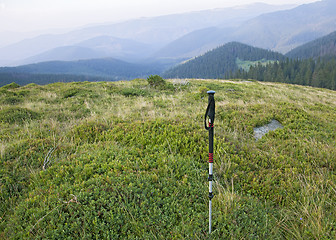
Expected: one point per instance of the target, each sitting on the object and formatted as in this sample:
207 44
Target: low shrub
89 132
17 115
134 92
117 174
12 100
12 85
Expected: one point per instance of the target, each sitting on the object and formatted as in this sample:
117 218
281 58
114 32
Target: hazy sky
31 15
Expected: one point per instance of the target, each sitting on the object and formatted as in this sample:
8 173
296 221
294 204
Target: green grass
246 64
126 160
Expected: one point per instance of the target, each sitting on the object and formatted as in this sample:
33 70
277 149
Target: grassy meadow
128 160
246 64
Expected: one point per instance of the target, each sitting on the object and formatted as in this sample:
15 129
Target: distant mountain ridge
155 33
193 44
136 59
181 36
285 30
233 59
279 31
220 62
93 48
321 47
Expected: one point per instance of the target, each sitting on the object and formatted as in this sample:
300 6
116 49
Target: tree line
308 72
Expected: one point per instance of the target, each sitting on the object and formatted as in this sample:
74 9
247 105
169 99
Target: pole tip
211 92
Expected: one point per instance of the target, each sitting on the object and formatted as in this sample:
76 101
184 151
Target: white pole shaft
210 191
210 212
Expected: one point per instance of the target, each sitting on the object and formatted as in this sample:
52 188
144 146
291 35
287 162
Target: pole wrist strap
210 112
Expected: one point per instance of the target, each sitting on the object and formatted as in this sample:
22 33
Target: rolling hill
97 47
123 160
221 62
106 68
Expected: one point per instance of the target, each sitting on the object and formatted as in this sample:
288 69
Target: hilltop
127 160
312 64
222 61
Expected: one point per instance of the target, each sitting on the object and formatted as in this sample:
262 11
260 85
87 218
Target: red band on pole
210 157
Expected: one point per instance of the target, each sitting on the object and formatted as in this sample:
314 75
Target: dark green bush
156 81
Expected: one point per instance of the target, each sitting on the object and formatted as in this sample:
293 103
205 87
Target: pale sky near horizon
33 15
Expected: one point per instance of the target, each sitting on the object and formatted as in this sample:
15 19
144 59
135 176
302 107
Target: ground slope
123 160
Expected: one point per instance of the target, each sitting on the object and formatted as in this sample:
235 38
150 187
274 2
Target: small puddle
261 131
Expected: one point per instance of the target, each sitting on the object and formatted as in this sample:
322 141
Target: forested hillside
104 67
221 62
87 70
325 46
313 64
316 73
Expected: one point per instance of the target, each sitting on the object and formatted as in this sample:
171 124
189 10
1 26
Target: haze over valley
146 46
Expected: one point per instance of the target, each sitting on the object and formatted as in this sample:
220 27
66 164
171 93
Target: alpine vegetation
129 160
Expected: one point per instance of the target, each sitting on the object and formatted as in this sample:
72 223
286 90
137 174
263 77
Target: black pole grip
211 137
210 112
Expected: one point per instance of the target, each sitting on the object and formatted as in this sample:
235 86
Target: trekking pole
210 112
